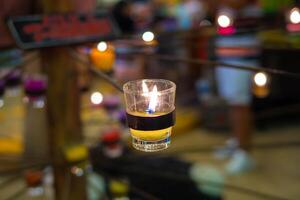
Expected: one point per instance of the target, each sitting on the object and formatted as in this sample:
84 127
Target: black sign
56 30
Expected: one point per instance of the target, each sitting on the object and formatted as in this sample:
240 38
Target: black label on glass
151 123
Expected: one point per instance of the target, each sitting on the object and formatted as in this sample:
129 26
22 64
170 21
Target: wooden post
63 112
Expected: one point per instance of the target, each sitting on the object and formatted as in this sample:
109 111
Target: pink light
226 31
293 27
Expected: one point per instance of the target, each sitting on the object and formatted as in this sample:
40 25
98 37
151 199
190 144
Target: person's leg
241 123
235 87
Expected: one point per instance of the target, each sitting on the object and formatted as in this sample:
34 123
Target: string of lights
211 63
170 58
202 62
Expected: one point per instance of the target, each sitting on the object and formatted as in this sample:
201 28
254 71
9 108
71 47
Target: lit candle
225 25
35 88
293 20
103 57
150 112
261 84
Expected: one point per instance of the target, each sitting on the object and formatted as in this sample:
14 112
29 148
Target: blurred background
63 130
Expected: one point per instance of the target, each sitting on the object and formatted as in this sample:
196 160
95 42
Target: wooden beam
63 112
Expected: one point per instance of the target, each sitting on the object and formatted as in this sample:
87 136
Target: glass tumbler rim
172 87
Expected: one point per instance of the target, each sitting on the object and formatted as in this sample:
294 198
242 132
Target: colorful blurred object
10 146
111 102
127 66
33 178
35 87
103 60
204 176
274 5
226 31
118 188
293 20
112 144
76 153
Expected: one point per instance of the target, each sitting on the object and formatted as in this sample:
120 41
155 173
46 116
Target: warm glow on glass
260 79
145 89
224 21
295 16
102 46
148 36
96 98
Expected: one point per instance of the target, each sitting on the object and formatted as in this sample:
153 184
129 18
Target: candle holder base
151 146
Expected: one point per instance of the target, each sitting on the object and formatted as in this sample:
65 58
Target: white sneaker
240 162
228 150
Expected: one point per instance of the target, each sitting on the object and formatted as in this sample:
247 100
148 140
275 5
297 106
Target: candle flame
153 99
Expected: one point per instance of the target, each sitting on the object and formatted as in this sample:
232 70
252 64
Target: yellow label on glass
151 135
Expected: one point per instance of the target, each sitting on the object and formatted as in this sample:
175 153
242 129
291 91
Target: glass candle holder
150 113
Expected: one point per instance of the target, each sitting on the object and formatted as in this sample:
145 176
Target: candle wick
149 111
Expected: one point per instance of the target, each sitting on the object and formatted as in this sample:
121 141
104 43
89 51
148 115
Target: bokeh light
102 46
224 21
77 171
260 79
96 98
148 36
295 16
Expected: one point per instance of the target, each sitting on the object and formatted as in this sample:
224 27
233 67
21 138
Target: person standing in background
234 85
190 13
121 12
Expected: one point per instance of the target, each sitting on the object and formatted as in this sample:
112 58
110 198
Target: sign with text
62 29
